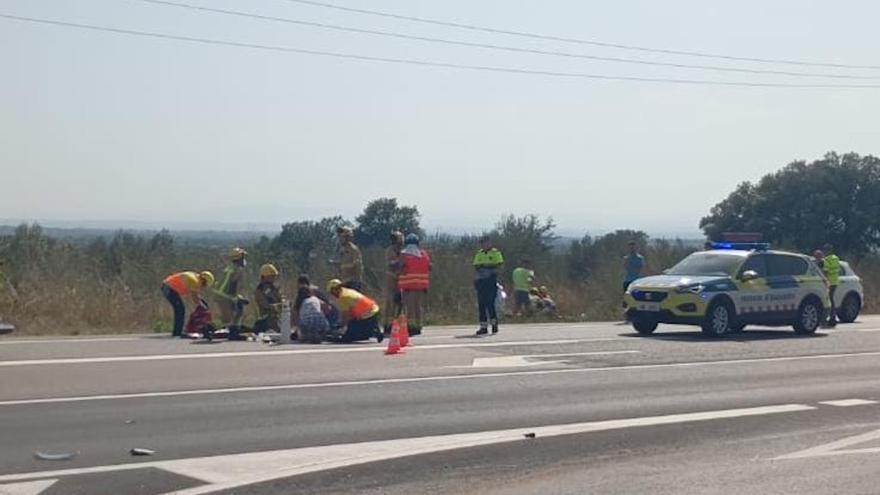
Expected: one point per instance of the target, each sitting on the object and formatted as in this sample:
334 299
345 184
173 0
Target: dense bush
112 285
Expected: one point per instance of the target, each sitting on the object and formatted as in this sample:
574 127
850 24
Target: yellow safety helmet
268 270
237 253
334 284
208 278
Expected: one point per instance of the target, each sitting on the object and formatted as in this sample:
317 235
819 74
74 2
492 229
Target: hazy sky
101 126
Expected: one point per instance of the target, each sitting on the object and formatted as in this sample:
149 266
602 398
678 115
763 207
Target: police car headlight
693 289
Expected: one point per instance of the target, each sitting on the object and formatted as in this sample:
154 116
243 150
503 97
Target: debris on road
139 451
55 456
529 435
130 421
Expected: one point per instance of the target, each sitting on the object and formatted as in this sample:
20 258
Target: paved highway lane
338 407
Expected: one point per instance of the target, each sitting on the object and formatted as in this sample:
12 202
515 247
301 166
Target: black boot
235 333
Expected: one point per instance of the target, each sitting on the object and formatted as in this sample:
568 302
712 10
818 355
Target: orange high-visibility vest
363 307
415 273
183 282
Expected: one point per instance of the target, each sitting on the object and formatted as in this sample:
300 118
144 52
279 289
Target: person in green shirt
487 263
523 277
831 268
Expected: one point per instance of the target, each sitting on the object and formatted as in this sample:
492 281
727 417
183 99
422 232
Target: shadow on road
744 336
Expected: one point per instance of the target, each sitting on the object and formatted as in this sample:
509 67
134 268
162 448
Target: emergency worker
487 263
229 301
831 268
414 281
359 315
267 297
349 262
184 284
523 277
393 301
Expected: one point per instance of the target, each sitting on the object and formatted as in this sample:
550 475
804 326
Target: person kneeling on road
312 316
359 315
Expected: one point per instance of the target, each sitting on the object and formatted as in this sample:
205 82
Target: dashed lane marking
848 402
533 359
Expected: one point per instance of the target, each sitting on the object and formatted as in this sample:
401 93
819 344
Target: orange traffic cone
404 331
394 341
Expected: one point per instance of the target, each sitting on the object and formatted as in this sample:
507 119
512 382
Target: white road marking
529 360
383 381
225 472
848 402
837 448
26 488
287 352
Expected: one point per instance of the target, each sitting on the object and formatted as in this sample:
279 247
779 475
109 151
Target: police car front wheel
645 325
719 319
809 316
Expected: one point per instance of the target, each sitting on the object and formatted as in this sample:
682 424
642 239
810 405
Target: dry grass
53 287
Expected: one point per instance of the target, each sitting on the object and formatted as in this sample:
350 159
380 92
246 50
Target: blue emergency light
742 246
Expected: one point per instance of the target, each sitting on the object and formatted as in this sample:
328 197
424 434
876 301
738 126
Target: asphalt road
569 408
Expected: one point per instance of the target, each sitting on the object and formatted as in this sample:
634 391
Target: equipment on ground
285 322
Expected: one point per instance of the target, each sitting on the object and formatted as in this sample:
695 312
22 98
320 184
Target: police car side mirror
749 275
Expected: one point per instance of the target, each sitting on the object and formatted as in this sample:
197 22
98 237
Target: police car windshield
708 263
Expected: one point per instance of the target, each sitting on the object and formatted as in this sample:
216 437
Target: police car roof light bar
742 246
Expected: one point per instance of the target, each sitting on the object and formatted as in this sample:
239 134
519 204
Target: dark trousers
832 313
361 329
487 291
179 309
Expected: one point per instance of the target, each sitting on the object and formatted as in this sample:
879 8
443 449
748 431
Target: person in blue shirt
632 265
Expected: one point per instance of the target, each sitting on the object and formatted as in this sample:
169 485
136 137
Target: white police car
724 289
849 297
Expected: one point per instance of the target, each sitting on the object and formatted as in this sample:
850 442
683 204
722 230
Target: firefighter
414 281
229 301
393 301
349 262
267 297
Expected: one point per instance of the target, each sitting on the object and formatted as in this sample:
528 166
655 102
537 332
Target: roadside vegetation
111 284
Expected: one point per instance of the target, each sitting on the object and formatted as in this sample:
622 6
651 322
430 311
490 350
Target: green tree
383 216
302 243
525 237
803 206
587 256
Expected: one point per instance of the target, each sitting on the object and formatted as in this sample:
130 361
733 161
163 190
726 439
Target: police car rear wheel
718 319
850 308
809 316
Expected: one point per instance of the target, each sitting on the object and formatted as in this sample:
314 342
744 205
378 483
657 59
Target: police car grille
649 296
